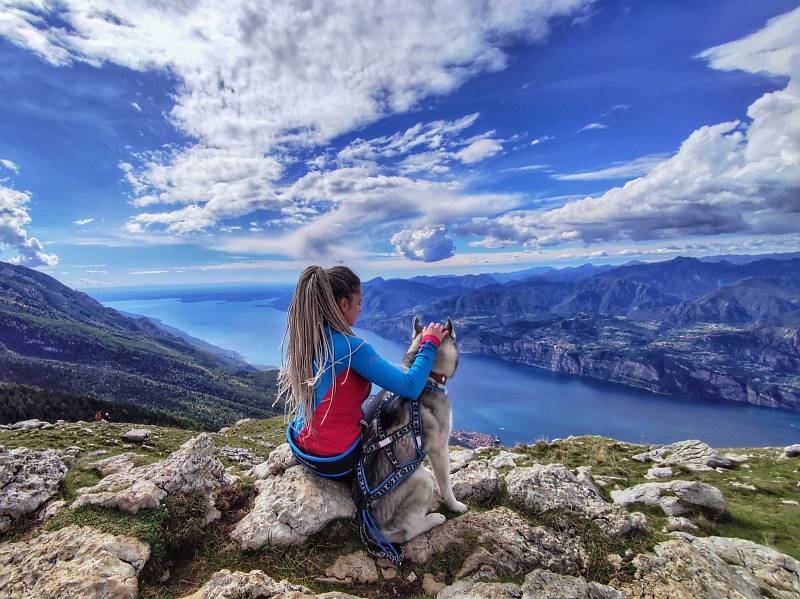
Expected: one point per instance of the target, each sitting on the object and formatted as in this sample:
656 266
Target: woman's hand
435 329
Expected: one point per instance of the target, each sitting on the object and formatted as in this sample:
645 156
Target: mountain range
56 339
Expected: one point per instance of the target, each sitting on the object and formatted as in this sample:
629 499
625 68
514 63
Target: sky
166 143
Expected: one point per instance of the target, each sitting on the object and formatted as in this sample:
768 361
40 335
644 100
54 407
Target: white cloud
619 170
732 177
12 166
136 107
525 168
259 83
427 244
83 221
479 150
541 140
592 126
13 219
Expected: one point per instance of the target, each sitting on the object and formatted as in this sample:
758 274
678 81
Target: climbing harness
338 466
365 493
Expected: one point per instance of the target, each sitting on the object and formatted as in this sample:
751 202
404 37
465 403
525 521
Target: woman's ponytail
305 342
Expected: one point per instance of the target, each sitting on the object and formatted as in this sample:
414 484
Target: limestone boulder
791 451
540 488
192 468
72 562
543 584
501 539
477 482
507 459
115 463
30 425
28 478
692 454
460 458
136 435
291 507
690 567
675 498
256 585
657 472
279 461
353 567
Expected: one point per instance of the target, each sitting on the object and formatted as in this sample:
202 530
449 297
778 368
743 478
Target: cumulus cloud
732 177
12 166
83 221
260 83
619 170
13 218
541 140
427 244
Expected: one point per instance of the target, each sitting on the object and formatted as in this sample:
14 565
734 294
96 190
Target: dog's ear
449 327
417 328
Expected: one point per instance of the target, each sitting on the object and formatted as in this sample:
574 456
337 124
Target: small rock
357 566
692 454
791 451
542 584
476 482
242 421
255 584
658 472
136 435
411 576
96 452
430 585
507 459
679 523
28 425
52 509
675 497
28 478
460 458
739 485
115 463
790 502
279 460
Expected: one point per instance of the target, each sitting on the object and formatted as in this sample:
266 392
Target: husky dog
403 514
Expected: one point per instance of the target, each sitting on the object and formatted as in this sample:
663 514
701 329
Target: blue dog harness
366 494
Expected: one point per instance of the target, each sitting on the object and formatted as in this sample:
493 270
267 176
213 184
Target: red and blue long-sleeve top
337 409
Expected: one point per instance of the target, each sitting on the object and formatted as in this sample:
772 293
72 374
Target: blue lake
517 403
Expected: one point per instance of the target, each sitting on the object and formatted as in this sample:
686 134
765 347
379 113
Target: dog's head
446 360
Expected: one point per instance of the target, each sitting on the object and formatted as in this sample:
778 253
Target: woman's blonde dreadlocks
304 343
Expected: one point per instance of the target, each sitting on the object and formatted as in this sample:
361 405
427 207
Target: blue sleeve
367 363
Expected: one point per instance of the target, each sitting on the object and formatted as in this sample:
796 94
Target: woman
326 401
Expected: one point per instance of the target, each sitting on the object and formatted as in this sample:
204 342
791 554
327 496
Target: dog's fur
403 513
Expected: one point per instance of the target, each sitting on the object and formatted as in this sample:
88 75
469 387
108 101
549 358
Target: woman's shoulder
339 338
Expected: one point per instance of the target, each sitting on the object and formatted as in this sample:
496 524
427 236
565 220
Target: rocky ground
114 510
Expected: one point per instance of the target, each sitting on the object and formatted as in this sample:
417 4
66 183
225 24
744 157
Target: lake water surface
517 403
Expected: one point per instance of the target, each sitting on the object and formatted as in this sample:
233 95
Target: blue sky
144 145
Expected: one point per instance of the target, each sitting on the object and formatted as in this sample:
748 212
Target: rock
737 458
692 454
477 589
542 584
136 435
28 478
692 567
477 482
357 566
255 585
52 509
584 476
242 421
72 562
96 453
460 458
59 422
507 459
191 469
739 485
790 502
675 498
238 454
430 585
791 451
292 507
28 425
541 488
679 523
280 459
501 539
116 463
658 472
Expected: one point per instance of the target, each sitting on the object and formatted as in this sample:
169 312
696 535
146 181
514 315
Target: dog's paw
457 507
436 519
